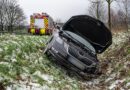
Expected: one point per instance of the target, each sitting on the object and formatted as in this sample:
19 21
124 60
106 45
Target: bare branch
11 14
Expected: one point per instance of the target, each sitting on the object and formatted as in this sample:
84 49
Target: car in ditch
76 45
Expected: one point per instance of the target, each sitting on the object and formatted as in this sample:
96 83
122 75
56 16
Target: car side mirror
60 32
58 27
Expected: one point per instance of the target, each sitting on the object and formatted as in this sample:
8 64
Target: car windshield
81 40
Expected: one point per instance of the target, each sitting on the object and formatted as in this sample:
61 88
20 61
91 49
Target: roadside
29 69
115 66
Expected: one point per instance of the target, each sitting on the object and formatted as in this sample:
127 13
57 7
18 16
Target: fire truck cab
41 24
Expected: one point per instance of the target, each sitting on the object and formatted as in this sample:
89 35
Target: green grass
23 65
22 60
128 50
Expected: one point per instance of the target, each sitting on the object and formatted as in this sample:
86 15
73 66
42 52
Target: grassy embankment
23 65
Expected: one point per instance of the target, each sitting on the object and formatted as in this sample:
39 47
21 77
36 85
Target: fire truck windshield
39 23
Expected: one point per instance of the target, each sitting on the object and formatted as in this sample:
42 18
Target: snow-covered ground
24 67
115 66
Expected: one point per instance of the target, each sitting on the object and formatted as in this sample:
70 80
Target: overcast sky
58 9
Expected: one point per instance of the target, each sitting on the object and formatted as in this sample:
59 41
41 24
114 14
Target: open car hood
90 29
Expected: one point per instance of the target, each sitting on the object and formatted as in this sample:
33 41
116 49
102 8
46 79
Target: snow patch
116 83
112 76
46 77
4 63
128 84
1 49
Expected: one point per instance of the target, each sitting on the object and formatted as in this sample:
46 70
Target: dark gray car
77 44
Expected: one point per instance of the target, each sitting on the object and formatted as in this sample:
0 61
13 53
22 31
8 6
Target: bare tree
58 20
116 19
97 10
58 23
109 2
11 15
124 6
15 15
94 8
2 15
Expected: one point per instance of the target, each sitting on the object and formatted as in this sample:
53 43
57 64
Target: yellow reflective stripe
46 22
42 31
32 22
32 31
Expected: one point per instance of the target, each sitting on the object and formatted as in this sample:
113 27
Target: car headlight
66 46
59 40
62 42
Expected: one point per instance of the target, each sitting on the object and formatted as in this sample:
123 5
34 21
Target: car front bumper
70 62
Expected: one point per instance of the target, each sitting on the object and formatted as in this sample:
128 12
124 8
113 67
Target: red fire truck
41 24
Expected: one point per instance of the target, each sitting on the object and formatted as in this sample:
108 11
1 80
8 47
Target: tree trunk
98 10
109 15
1 27
126 19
